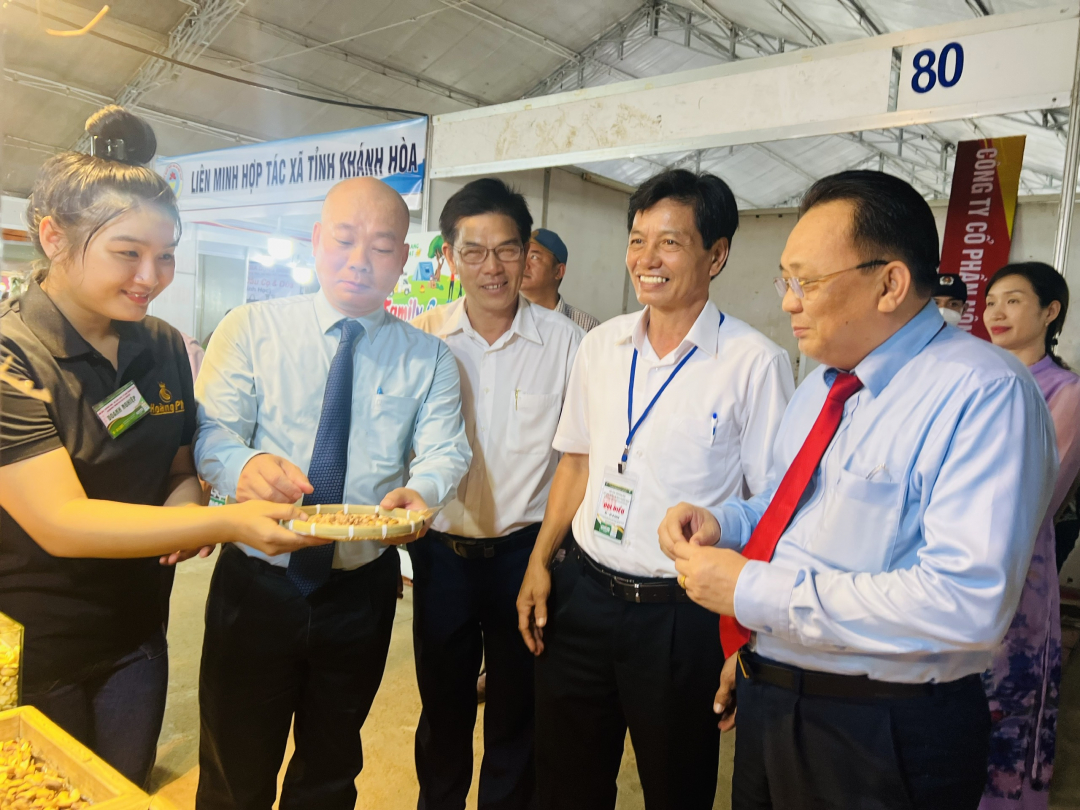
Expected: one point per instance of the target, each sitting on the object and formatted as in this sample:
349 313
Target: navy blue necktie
309 568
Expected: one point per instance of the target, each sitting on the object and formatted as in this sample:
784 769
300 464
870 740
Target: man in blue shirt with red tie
884 561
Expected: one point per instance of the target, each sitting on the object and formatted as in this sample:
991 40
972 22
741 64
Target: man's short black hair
892 221
488 195
715 211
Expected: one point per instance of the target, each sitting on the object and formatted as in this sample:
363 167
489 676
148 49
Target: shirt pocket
860 523
533 421
694 461
390 430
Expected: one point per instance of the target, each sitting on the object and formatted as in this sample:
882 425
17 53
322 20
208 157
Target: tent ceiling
438 56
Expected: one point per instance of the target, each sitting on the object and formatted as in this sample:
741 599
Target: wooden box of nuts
42 767
11 643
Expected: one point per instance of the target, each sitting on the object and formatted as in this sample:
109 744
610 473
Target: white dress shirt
261 389
906 559
511 394
736 374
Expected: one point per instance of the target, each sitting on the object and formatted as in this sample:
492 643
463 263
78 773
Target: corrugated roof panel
487 58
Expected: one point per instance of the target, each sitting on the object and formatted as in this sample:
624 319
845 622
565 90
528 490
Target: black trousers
463 611
269 654
795 752
610 665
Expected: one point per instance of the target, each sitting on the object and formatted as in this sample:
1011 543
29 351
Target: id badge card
122 409
613 508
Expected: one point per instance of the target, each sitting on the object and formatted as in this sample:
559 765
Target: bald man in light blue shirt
294 640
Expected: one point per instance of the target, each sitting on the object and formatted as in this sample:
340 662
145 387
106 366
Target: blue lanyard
633 427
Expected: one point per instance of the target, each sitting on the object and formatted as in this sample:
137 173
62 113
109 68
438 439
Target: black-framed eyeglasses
798 285
477 254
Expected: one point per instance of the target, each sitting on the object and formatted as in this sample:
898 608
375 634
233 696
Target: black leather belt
478 548
640 590
844 687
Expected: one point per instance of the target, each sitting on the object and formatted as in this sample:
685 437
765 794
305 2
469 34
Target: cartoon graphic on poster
427 280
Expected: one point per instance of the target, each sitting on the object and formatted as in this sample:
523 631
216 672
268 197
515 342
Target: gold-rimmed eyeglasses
477 254
799 285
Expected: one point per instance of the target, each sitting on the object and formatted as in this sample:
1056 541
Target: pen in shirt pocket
714 420
378 390
880 468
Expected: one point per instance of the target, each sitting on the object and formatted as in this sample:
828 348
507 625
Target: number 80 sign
1027 67
950 67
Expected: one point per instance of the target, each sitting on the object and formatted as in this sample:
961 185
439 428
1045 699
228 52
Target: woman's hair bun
113 124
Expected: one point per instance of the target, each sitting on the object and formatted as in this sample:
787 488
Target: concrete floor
388 781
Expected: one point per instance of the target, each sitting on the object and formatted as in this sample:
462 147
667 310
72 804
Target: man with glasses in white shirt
515 359
677 399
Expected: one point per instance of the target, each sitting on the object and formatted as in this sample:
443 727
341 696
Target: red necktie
782 508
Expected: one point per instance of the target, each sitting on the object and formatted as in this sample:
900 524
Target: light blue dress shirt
260 390
907 555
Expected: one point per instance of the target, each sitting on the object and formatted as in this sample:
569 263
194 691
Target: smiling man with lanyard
679 398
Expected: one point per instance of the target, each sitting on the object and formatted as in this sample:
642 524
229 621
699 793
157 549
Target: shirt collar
456 320
705 333
63 341
329 317
524 324
879 367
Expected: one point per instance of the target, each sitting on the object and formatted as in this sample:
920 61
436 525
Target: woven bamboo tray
95 779
412 522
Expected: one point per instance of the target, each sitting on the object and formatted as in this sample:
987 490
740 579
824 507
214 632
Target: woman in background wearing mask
85 472
1025 311
951 297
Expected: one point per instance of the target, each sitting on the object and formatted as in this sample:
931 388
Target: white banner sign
992 68
300 169
992 65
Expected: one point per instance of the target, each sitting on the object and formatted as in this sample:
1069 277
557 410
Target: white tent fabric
438 56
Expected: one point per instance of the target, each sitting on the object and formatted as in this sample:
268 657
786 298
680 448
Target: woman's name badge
122 409
613 509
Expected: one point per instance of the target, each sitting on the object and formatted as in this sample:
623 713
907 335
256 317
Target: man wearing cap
545 266
950 297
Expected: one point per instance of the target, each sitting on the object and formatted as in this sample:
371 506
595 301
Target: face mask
951 316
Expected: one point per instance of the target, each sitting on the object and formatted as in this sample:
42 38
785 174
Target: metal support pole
1069 345
425 192
1068 181
547 196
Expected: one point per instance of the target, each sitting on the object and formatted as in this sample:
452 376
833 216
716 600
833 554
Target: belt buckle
489 550
459 548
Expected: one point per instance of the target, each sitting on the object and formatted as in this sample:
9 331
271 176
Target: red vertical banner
982 209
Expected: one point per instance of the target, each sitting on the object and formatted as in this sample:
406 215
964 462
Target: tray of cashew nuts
344 522
42 767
